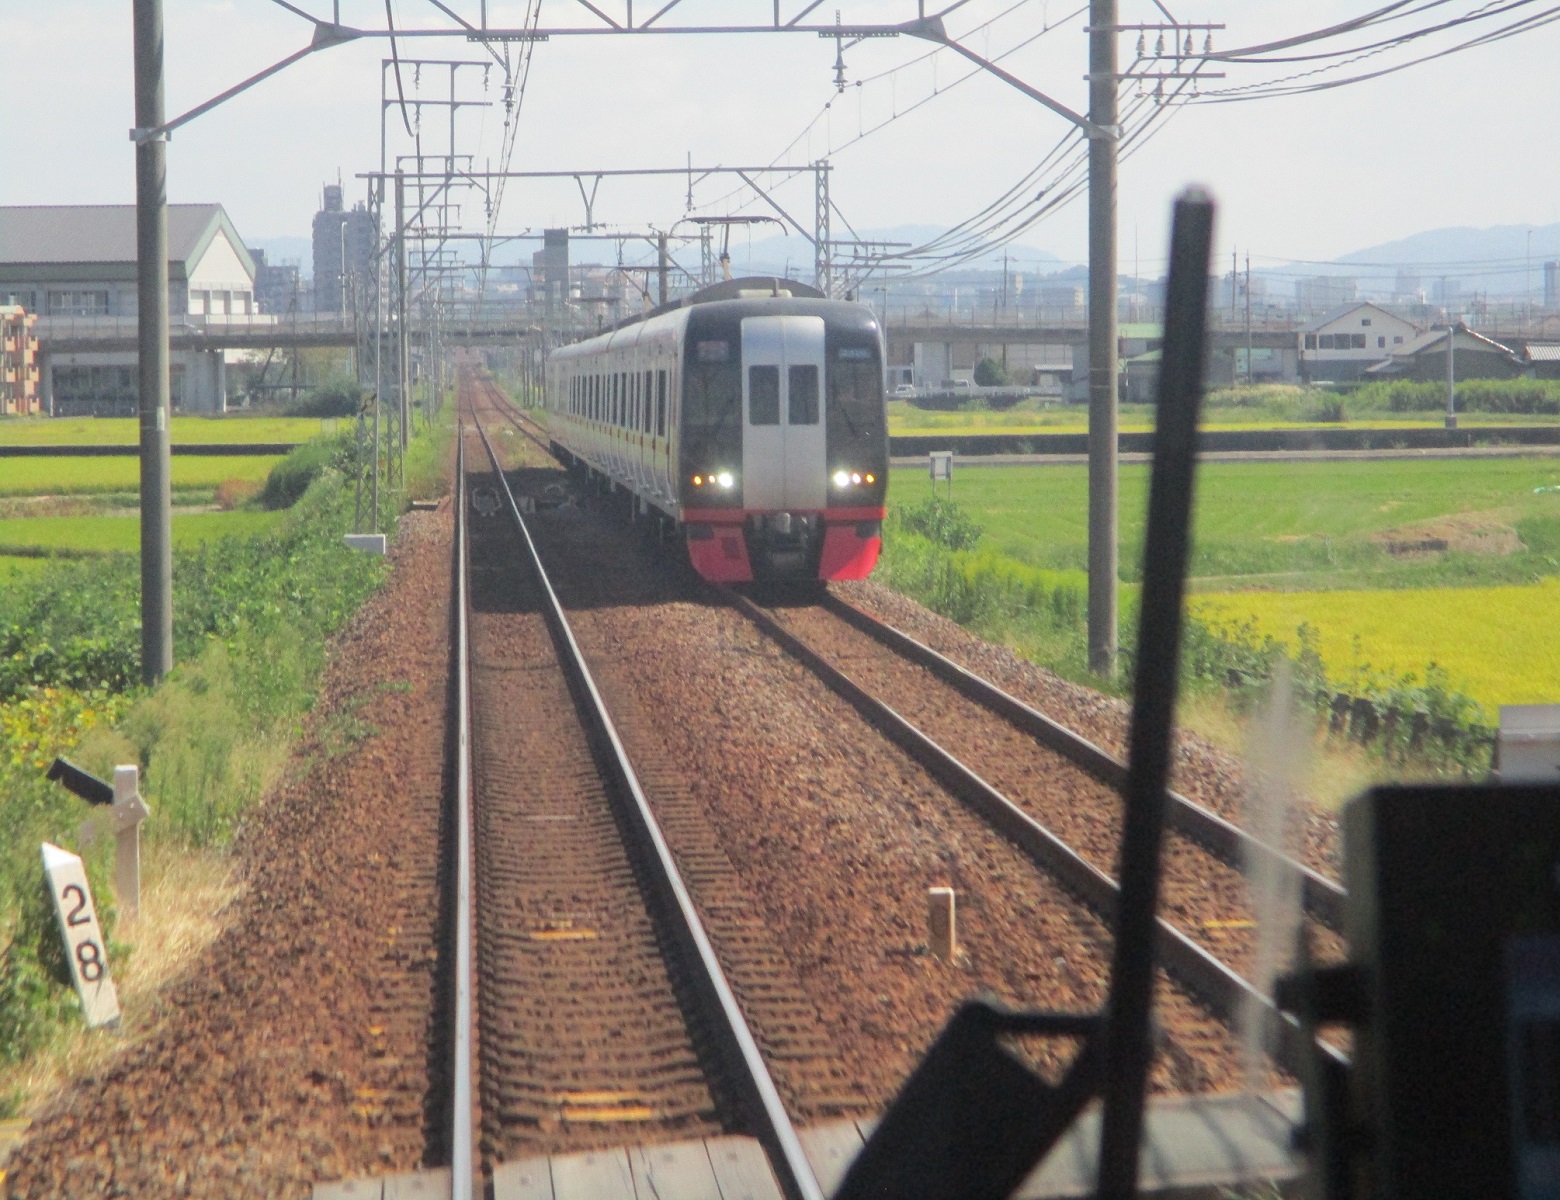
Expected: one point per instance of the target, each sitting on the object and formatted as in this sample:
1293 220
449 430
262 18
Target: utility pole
1102 336
403 347
1250 374
662 266
1451 371
151 237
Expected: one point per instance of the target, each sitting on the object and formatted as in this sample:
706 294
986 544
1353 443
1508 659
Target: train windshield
712 410
857 423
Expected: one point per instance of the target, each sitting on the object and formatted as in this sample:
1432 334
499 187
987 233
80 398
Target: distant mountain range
1502 260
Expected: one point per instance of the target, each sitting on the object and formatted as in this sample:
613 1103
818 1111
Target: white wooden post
942 933
129 811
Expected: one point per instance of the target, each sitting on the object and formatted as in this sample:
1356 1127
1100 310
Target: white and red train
750 416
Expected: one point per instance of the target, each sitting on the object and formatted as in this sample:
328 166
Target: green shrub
291 477
338 398
941 521
1530 396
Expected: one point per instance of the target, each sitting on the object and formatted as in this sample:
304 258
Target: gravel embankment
301 1048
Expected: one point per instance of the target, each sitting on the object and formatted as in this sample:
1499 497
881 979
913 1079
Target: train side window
802 404
763 395
660 403
649 408
616 400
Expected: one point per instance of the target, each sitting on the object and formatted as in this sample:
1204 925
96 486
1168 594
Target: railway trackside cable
462 1132
1220 986
771 1124
1322 898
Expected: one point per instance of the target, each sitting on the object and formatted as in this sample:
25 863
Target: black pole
151 238
1128 1045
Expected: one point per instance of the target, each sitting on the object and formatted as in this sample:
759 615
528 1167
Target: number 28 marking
77 915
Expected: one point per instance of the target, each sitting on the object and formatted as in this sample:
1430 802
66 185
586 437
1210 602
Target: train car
749 417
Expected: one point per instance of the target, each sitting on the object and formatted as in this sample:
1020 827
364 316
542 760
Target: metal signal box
1454 925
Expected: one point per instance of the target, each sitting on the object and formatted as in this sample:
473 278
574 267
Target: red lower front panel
722 556
852 541
846 554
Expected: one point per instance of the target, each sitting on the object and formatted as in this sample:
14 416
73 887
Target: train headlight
841 479
726 480
698 481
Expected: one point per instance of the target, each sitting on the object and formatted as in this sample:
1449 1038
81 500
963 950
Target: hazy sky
1467 140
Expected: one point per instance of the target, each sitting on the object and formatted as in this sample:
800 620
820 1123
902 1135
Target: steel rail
1227 992
462 1157
771 1123
1322 898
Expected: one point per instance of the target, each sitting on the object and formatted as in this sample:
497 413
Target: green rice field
1395 564
109 534
1036 417
124 431
72 476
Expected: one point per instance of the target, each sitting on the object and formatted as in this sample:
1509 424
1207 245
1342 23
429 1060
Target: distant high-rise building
1552 285
1323 293
276 285
343 254
550 268
1407 285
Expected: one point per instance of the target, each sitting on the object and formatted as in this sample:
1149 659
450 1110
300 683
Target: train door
782 404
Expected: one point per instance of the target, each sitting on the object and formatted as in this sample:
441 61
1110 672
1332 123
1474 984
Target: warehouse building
75 266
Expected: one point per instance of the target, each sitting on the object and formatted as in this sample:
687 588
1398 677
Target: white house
1345 343
75 266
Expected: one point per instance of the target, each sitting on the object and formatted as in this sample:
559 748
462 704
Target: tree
990 373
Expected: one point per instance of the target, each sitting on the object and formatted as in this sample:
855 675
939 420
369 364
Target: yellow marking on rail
563 935
1237 924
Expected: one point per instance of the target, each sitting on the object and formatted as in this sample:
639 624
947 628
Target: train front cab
803 444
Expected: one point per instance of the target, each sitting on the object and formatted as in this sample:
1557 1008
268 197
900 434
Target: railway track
856 640
602 1012
1023 772
1024 777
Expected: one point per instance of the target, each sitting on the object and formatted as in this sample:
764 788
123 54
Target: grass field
13 567
108 534
1029 418
1306 525
58 476
1499 645
124 431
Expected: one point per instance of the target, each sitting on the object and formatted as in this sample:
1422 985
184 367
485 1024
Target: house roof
1344 310
1540 352
61 234
1435 340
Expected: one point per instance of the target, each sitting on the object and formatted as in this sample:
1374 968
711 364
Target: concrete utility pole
1102 336
662 260
151 238
1451 371
402 342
